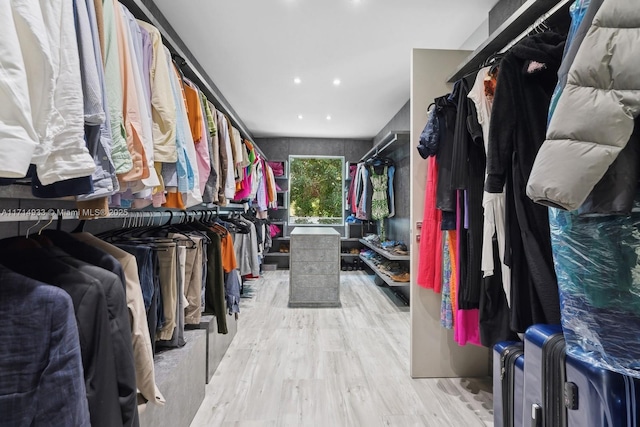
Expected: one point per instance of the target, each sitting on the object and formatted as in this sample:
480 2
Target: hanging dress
379 200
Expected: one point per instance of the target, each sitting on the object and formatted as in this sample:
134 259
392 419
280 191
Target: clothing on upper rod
143 120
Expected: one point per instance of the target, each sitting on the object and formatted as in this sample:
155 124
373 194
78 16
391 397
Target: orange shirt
194 112
229 261
174 200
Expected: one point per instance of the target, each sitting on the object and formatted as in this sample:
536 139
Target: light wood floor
332 367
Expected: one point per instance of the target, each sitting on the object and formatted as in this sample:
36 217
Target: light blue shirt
96 111
183 166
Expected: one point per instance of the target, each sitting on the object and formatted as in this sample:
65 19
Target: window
315 190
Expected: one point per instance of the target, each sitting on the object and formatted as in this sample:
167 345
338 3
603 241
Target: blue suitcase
508 383
597 397
544 377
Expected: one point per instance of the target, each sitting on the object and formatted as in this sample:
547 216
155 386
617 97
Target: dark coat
526 81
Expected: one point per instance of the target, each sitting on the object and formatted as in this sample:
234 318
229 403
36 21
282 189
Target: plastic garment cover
598 268
430 135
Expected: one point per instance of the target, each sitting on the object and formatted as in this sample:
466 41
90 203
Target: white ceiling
253 49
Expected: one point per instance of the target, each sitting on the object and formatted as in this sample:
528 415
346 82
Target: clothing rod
387 141
519 21
533 26
34 214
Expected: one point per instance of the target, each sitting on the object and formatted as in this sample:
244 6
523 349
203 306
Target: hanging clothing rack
143 217
386 144
516 27
541 21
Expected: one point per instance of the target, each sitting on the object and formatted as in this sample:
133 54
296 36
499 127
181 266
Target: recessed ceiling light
328 117
297 80
300 116
336 82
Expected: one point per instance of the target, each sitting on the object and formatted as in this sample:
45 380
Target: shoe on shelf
388 244
372 238
401 277
355 251
399 249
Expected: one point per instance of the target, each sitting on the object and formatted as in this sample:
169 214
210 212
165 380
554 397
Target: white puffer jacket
594 117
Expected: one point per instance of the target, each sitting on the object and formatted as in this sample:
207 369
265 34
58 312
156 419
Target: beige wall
433 352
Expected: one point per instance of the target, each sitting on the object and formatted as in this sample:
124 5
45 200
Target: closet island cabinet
314 274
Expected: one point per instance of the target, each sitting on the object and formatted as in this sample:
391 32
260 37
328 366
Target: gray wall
401 121
282 148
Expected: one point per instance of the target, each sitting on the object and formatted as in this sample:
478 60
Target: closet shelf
349 239
391 142
388 280
21 191
349 255
384 253
279 254
518 23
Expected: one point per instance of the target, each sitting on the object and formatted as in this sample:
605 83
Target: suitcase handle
536 415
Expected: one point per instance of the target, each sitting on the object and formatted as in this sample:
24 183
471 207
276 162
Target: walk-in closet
303 213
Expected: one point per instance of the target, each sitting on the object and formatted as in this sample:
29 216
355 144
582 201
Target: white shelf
388 280
384 253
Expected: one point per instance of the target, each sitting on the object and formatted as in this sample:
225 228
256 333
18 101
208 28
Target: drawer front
315 255
315 242
314 268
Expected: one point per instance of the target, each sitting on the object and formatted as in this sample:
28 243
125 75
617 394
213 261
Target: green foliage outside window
315 190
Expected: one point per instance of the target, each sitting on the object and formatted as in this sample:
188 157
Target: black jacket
120 332
445 196
526 81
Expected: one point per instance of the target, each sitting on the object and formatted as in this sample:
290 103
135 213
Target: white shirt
18 138
40 52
